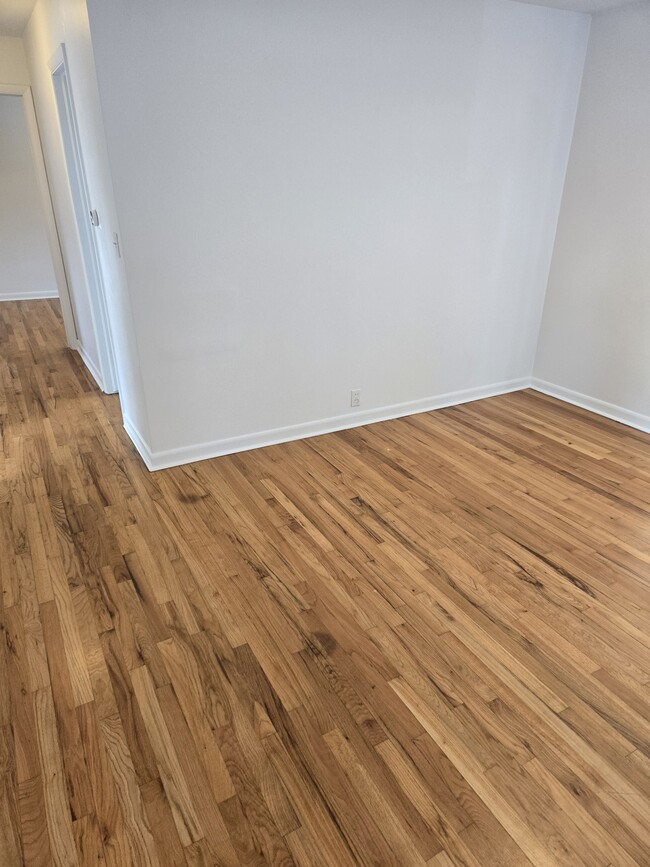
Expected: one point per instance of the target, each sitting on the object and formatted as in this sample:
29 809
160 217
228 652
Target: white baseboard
203 451
189 454
138 441
90 364
28 296
600 407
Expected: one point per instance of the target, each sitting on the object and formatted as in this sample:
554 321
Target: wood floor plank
33 822
175 783
421 642
12 843
57 809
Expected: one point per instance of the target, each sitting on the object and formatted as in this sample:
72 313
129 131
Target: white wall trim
28 296
90 364
139 442
74 165
600 407
202 451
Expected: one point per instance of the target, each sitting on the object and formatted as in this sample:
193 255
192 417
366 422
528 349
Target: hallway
419 642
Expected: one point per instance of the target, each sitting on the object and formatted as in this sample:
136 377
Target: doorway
90 304
75 256
24 94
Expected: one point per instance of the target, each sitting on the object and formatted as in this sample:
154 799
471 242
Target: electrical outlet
355 397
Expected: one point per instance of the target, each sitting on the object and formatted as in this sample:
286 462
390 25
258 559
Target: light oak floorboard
421 642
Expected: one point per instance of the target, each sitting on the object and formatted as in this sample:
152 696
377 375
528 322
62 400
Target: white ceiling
581 5
14 15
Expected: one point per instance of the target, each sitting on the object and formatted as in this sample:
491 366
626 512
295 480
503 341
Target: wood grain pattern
423 642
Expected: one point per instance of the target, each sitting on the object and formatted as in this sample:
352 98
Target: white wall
316 197
66 21
595 336
25 265
13 63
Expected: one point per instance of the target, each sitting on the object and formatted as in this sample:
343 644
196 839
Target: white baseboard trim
28 296
138 441
600 407
203 451
90 364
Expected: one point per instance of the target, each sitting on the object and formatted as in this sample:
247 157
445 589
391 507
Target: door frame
73 162
54 242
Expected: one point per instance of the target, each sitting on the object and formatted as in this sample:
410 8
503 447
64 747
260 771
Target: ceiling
581 5
14 15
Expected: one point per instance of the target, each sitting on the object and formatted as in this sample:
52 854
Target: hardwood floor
420 642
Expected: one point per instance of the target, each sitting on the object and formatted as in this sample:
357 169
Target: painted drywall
14 15
25 265
13 63
583 5
318 197
595 335
52 23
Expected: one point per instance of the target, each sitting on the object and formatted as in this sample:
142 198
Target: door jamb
95 283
